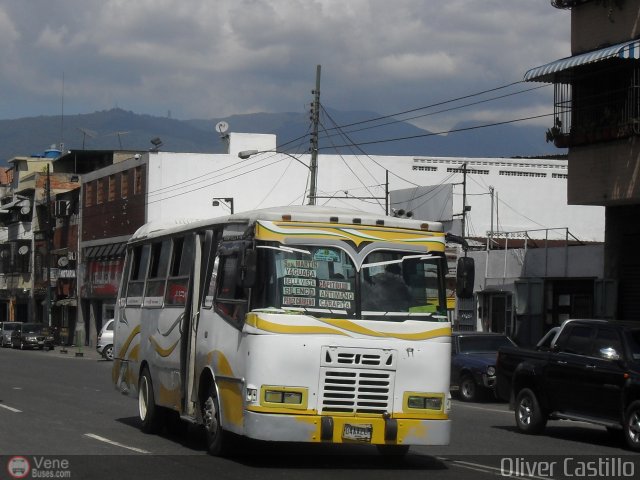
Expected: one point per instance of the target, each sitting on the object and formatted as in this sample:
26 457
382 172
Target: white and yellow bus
298 324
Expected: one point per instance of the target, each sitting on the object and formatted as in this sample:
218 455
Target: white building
528 194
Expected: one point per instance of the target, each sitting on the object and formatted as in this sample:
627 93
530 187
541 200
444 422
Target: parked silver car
105 340
5 332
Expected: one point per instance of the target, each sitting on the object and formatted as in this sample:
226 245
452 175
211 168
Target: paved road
62 407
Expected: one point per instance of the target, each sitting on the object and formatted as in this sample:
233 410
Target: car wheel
529 415
632 426
468 389
150 414
217 438
107 353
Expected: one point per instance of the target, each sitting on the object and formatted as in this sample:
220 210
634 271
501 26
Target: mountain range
119 129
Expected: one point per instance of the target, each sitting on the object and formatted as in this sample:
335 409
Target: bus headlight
283 397
424 401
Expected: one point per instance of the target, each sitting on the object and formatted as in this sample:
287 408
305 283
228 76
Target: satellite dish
23 250
24 210
63 261
222 127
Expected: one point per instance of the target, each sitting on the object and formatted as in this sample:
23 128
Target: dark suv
590 372
473 362
32 335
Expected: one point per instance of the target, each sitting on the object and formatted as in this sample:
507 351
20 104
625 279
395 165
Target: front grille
356 380
354 357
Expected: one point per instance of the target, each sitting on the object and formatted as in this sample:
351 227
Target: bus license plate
357 433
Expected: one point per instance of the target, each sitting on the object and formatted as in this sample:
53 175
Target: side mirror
247 278
465 277
609 353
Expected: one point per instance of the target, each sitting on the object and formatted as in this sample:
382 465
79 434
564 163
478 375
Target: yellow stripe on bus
343 328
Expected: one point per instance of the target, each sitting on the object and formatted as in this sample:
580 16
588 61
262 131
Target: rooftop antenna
221 128
87 133
119 134
62 115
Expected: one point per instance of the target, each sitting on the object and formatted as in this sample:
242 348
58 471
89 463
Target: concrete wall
529 194
500 268
605 173
598 24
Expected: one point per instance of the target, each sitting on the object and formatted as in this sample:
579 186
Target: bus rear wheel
150 414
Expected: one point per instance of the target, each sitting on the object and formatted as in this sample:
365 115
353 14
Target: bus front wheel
212 426
150 414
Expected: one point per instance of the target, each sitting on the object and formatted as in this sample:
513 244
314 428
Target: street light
228 202
312 168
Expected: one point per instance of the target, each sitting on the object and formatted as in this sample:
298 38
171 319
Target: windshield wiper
399 260
285 249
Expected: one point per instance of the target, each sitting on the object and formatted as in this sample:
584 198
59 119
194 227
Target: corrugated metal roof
551 71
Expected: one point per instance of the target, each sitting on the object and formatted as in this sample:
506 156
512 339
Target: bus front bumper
344 429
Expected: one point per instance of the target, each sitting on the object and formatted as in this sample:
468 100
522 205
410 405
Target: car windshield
32 328
325 281
9 327
483 343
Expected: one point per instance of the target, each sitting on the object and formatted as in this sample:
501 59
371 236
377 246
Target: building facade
107 195
597 116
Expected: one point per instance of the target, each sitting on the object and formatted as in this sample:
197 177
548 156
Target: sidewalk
75 351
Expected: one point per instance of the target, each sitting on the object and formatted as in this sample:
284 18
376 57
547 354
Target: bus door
203 259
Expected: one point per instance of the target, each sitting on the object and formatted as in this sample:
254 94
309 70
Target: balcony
601 105
589 136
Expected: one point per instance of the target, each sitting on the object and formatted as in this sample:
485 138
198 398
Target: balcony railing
599 107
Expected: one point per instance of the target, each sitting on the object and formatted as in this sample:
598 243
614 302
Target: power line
444 102
402 120
455 130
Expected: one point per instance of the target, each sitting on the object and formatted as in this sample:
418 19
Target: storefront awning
105 251
560 70
17 203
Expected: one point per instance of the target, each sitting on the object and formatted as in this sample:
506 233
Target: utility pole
491 230
315 118
48 248
386 192
464 199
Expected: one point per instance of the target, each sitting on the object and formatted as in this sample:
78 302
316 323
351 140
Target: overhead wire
402 120
349 166
234 169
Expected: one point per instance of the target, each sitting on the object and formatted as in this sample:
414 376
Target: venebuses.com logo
18 467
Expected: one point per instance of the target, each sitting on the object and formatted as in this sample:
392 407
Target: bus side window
139 262
154 291
210 291
230 299
181 263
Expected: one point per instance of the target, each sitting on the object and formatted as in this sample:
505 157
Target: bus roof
295 213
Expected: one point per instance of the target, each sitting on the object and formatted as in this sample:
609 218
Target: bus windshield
324 281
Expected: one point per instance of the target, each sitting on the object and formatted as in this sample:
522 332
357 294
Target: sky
207 59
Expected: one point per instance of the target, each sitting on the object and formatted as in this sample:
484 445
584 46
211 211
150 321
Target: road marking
482 408
478 467
111 442
11 409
